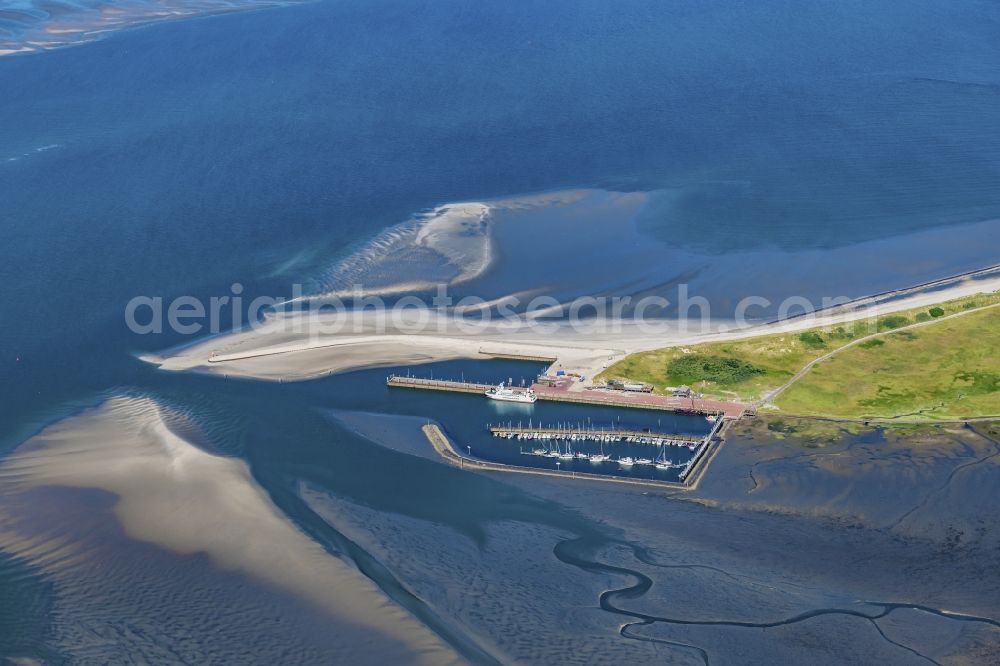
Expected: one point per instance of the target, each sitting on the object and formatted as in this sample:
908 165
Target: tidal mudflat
804 543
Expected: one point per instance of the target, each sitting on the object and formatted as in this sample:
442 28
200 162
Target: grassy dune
778 357
908 372
947 370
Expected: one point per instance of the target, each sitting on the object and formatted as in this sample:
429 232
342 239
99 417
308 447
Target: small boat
599 457
643 461
661 460
627 461
568 453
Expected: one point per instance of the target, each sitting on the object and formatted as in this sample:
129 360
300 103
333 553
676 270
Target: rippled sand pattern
155 545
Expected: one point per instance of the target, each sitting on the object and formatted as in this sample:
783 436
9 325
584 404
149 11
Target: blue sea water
193 154
260 147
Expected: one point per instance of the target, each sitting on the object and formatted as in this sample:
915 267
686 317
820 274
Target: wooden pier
438 384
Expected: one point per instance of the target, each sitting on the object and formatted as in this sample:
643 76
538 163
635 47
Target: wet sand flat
169 496
876 536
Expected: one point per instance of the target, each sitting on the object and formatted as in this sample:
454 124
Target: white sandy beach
301 346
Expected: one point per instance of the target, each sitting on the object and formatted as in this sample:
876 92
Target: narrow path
774 393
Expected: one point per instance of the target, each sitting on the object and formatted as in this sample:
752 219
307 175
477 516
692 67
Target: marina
553 449
598 434
574 443
619 436
675 467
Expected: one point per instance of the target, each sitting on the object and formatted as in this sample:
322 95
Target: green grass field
746 369
947 370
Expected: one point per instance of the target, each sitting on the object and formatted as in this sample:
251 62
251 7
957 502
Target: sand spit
459 232
293 346
449 244
180 498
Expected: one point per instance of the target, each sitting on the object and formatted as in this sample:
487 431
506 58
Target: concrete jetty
437 384
727 410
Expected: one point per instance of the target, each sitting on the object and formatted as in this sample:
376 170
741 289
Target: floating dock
593 434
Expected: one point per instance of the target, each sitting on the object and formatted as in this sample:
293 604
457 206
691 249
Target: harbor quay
562 393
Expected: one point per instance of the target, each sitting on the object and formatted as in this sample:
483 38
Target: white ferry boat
501 392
